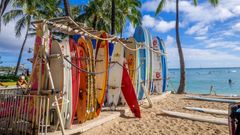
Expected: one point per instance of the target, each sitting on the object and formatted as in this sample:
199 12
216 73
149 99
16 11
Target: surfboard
150 66
233 119
221 121
213 99
129 93
132 61
101 59
164 65
75 56
57 72
140 37
207 110
91 107
45 43
110 53
157 67
83 89
115 76
68 92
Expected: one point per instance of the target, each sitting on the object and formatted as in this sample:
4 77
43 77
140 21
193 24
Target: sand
153 122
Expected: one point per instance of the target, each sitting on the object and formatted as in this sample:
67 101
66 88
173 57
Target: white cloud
148 21
169 41
198 29
10 45
231 45
151 6
236 27
200 37
157 25
204 14
195 58
163 26
236 10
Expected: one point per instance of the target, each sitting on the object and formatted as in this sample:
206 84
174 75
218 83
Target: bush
9 78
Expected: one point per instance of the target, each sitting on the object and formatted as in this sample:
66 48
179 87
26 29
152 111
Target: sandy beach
153 122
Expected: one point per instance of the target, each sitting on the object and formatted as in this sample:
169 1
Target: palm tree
129 11
28 11
113 18
123 10
3 6
98 15
67 7
181 88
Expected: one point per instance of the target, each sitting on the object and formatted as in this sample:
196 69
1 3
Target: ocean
199 80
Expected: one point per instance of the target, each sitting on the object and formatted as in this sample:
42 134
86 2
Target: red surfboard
129 93
75 76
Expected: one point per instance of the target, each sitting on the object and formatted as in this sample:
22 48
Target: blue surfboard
164 65
141 37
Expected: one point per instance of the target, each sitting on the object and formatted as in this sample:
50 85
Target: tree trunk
94 22
3 6
121 32
181 88
67 7
21 51
113 18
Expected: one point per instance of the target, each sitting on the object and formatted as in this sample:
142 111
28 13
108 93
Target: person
212 90
22 83
230 82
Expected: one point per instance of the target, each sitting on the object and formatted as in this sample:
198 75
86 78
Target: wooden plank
80 128
220 121
207 110
104 117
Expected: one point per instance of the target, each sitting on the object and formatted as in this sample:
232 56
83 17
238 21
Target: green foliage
9 78
97 14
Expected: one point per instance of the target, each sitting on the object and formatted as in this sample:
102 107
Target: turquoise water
199 80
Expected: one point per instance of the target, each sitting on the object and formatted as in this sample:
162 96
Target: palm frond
214 2
160 7
3 6
195 2
11 15
20 24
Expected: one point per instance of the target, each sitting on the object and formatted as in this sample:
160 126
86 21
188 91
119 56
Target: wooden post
56 100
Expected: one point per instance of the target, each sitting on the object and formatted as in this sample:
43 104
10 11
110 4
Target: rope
124 45
82 70
116 62
151 49
114 37
109 39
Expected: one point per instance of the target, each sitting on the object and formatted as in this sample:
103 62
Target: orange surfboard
101 59
82 96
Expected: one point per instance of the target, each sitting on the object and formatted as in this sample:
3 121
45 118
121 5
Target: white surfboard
157 67
220 121
131 57
207 110
213 99
67 91
57 72
115 76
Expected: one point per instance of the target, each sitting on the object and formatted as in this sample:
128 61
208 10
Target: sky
210 36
